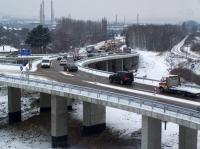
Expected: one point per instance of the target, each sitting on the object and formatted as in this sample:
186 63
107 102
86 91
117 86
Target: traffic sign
25 52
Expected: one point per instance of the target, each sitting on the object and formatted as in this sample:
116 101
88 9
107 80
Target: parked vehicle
76 57
126 50
46 62
91 49
70 67
63 61
172 84
122 77
59 58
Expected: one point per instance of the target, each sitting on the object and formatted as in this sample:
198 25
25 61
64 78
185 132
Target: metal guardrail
142 78
104 55
106 73
10 64
145 103
90 70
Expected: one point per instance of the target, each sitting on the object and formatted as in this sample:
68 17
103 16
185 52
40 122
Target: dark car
59 58
76 58
70 67
122 77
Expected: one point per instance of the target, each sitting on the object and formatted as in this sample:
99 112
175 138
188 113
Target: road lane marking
66 73
169 98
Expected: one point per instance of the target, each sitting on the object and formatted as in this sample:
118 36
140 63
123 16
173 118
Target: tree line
193 40
76 33
13 37
154 37
159 37
68 33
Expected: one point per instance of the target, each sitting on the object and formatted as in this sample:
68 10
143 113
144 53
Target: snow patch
7 48
152 65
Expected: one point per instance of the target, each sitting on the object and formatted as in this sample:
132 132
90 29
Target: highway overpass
94 103
56 95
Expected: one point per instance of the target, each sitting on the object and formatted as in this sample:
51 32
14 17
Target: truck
172 84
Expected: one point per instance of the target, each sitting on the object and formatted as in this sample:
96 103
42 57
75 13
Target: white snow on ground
11 68
20 138
182 56
100 44
152 65
34 65
129 124
190 54
177 48
8 49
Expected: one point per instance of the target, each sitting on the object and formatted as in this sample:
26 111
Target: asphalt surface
79 78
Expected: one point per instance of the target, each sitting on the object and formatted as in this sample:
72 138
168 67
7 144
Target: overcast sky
96 9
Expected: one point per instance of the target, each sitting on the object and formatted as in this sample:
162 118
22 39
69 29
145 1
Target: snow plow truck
172 84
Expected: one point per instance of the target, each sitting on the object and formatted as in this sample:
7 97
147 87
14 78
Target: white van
46 62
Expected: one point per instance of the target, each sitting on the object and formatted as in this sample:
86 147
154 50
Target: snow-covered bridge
94 103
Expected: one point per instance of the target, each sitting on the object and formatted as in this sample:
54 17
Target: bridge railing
95 71
107 74
146 103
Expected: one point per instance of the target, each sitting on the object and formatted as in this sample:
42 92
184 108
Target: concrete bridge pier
110 66
14 105
45 102
59 131
187 138
94 118
151 133
107 65
119 64
129 64
69 104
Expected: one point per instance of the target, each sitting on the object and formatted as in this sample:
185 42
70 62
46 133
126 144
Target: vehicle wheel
161 90
121 82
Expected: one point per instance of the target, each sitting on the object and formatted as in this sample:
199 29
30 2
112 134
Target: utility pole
137 19
124 21
116 19
138 34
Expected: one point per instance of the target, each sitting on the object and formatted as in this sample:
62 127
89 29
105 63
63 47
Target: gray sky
96 9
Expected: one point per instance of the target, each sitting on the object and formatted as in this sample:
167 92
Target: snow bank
15 69
8 49
152 65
